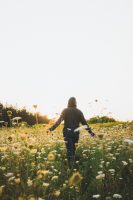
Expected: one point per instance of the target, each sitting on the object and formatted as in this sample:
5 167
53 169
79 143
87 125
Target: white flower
66 181
29 182
118 196
100 172
55 170
85 151
54 178
114 158
96 196
124 163
64 185
101 166
74 170
45 184
9 175
112 171
107 164
3 168
100 176
130 160
11 178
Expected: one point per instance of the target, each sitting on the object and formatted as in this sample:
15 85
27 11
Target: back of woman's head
72 102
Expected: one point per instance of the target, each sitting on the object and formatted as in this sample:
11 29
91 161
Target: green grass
105 165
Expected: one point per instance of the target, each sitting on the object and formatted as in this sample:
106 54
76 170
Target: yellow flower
31 198
51 156
21 198
42 173
1 190
23 136
17 180
75 179
3 149
33 151
57 193
32 164
107 198
40 176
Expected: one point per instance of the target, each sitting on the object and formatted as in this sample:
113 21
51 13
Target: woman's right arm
57 123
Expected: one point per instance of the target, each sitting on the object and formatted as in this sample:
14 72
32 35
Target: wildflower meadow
33 164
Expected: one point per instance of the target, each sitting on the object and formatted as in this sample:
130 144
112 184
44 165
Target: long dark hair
72 102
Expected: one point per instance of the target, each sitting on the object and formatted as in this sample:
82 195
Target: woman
72 117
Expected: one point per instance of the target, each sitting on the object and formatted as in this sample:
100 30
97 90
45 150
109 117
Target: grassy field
33 164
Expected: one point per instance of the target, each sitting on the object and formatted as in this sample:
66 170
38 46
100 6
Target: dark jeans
71 138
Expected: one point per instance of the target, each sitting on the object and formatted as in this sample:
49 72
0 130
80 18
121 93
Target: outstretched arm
57 123
84 122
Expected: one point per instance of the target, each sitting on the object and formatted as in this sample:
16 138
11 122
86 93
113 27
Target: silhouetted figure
72 117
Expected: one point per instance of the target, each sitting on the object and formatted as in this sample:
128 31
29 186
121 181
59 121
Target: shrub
103 119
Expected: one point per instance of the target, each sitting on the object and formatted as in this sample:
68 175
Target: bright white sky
52 50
